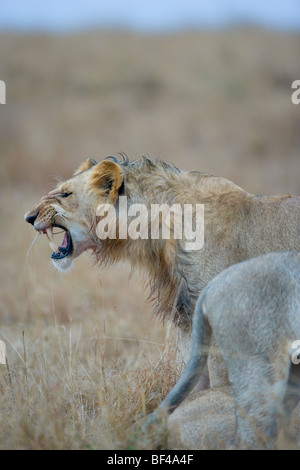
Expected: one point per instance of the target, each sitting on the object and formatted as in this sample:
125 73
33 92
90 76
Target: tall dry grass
83 363
86 360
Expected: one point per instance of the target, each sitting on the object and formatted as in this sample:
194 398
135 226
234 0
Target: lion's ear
107 175
85 166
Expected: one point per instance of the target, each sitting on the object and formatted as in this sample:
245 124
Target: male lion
253 311
238 225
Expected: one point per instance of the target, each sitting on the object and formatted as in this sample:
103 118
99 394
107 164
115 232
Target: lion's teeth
53 246
49 233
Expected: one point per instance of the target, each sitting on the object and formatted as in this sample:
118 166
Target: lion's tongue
64 243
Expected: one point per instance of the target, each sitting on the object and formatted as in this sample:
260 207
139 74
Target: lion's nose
30 217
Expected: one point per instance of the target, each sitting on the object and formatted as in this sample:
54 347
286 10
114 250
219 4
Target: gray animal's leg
258 396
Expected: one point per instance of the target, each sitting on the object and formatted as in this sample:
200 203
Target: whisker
60 214
27 265
29 249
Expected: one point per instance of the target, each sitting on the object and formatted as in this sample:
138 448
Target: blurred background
203 84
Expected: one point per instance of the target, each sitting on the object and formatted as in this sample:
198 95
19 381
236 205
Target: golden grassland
86 359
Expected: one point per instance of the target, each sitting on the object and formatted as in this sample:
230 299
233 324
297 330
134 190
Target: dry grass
86 360
68 392
82 368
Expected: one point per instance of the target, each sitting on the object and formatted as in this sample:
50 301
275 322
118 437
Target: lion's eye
65 194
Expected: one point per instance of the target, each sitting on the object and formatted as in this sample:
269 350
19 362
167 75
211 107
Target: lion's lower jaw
64 264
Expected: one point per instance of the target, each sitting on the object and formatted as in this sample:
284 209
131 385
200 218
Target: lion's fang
49 233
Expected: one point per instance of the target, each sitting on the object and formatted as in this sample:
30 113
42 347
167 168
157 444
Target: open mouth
66 246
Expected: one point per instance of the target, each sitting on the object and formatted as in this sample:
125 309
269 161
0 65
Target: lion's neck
173 297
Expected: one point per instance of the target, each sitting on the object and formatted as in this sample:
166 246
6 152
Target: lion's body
237 226
253 311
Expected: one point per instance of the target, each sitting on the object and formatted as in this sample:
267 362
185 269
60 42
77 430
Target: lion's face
71 207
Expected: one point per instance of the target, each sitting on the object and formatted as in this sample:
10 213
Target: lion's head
71 206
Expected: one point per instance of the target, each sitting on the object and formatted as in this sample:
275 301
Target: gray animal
253 311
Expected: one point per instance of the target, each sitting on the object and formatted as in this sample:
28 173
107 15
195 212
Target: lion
237 226
253 311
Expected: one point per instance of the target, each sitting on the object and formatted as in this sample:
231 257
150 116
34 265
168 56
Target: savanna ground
86 359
